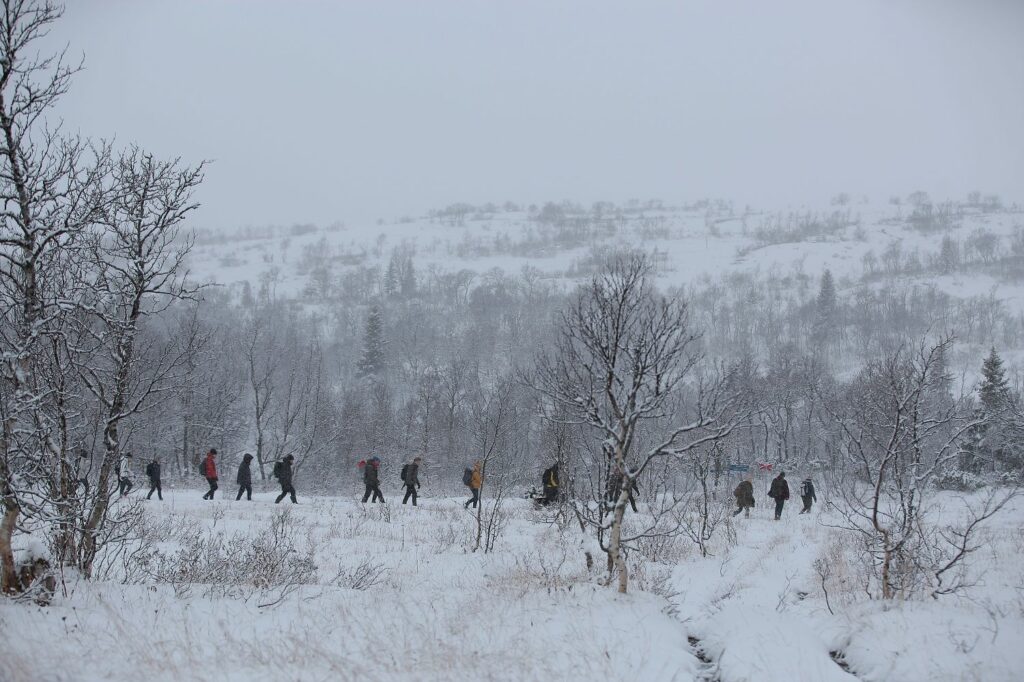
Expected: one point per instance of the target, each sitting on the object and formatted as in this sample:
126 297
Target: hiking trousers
473 500
212 490
285 490
410 491
807 503
779 503
375 491
247 489
155 486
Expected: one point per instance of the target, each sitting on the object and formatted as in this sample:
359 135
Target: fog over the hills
324 111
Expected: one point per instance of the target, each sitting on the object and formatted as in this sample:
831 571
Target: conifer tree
372 361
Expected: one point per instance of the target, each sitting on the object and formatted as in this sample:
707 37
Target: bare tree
896 432
48 190
626 359
140 261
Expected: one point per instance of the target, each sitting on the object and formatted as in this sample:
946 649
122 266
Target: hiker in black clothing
371 477
779 491
244 478
411 478
807 495
283 472
549 479
153 472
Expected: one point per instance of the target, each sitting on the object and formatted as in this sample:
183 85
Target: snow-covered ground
398 595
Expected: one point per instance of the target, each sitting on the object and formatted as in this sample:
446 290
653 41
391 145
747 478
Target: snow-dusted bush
233 565
959 480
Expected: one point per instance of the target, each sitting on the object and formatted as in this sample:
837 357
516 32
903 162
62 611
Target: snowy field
392 592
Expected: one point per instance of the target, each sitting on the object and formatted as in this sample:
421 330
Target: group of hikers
778 491
472 478
282 471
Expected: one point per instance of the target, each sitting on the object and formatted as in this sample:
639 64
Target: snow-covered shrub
666 548
235 565
959 480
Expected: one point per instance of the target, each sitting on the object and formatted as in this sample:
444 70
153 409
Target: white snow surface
529 610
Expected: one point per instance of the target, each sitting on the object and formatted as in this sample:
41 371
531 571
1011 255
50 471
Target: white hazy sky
323 111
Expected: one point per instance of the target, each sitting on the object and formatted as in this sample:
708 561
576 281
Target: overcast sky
324 111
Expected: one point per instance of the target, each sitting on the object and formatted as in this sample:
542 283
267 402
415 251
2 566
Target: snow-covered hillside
857 241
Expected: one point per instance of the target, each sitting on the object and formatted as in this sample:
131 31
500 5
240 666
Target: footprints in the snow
708 671
840 659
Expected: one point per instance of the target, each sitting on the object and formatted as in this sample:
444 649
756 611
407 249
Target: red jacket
210 467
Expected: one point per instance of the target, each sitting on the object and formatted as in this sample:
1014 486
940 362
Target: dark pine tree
372 361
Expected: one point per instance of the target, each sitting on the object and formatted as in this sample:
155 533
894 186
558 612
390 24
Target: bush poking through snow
234 566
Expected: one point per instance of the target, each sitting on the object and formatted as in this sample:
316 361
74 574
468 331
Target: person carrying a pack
371 478
549 479
244 478
124 475
473 478
779 491
807 495
283 474
411 479
153 474
744 495
208 469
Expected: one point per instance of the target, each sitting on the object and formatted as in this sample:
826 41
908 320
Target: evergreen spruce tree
825 312
994 391
372 361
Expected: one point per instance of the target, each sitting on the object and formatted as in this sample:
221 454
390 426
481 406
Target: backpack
405 472
806 492
150 470
278 467
467 476
202 468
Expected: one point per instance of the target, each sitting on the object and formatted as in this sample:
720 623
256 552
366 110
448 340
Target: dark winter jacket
284 472
779 489
744 494
807 489
370 476
412 474
153 472
550 477
244 476
209 467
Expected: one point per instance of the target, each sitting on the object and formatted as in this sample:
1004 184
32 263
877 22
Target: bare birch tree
625 359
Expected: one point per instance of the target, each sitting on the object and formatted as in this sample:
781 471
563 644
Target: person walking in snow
371 478
549 479
475 482
244 478
411 479
283 473
779 491
744 495
124 475
209 470
807 495
153 474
